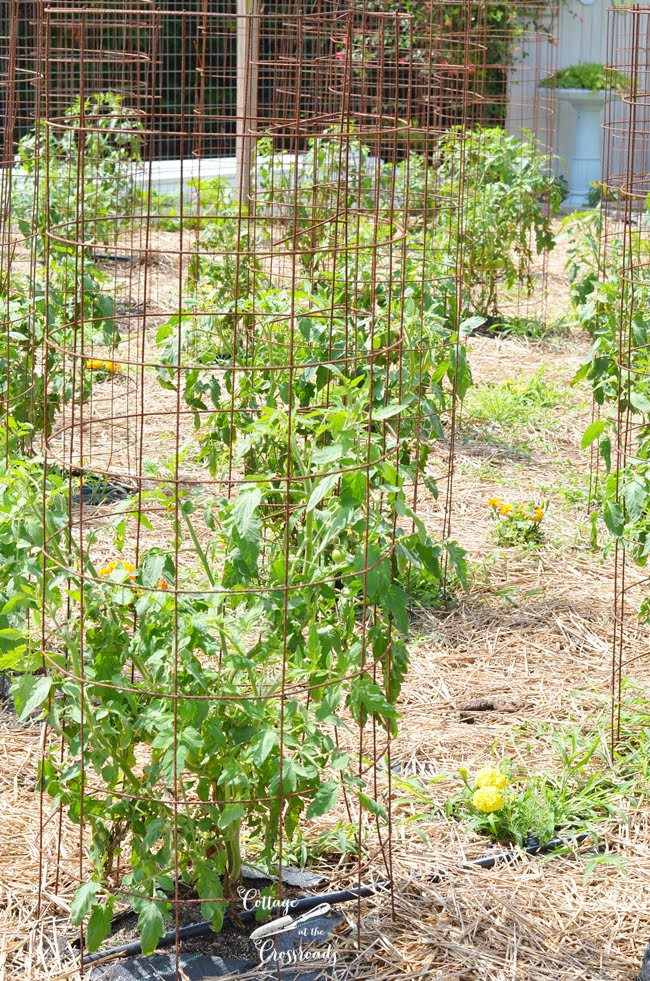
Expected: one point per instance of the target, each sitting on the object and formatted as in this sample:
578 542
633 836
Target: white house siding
582 33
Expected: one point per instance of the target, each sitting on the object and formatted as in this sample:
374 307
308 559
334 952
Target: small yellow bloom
505 510
162 584
96 364
120 566
537 515
489 776
487 799
494 502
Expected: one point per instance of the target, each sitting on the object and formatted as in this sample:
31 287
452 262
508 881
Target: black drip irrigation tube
342 896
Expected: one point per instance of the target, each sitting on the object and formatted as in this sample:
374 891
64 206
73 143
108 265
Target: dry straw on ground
533 635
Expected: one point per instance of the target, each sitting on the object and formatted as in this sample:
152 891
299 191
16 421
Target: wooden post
248 34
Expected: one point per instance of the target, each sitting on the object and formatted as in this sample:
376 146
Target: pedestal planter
586 163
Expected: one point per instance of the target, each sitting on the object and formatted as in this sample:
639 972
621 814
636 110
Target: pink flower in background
340 55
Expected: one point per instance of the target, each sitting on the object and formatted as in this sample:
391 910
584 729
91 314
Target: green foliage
588 75
26 520
73 303
611 297
301 593
517 524
515 408
508 195
66 177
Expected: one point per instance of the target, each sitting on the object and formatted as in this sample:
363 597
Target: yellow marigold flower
94 364
537 515
112 366
487 799
494 502
489 776
119 565
505 510
162 584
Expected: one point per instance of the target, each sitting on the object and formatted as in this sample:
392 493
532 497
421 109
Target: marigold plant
517 524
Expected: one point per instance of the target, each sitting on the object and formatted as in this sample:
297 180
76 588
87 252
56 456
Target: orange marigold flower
162 584
96 364
505 510
120 566
537 515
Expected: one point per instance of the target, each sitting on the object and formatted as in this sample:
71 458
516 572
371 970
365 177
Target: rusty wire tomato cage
247 407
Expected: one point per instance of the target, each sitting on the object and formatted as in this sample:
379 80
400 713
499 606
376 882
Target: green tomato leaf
322 488
151 925
99 926
388 411
210 889
395 601
243 513
368 804
266 743
84 900
29 692
592 433
613 518
635 494
230 814
324 800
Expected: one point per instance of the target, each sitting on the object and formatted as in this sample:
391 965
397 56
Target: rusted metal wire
249 242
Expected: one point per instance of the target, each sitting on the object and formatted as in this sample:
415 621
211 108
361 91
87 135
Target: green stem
197 545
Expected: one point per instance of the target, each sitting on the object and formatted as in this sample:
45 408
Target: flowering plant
493 805
97 364
517 523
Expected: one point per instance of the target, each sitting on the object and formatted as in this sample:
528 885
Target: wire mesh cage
253 267
619 268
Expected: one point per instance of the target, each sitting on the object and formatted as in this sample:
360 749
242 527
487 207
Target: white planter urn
586 163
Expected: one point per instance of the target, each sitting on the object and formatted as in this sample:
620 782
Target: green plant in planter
590 76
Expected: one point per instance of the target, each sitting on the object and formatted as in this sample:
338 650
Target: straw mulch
534 634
